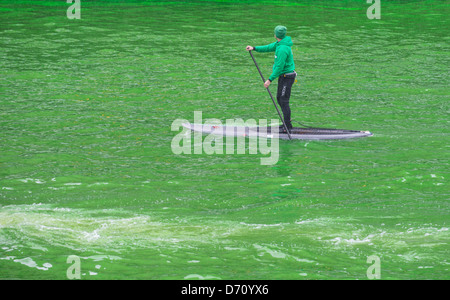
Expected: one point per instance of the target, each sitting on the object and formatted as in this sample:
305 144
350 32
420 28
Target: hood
287 41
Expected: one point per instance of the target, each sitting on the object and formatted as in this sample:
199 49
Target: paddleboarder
283 69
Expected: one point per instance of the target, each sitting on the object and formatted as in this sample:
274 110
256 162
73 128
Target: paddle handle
274 103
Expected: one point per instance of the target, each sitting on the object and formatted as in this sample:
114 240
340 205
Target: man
283 69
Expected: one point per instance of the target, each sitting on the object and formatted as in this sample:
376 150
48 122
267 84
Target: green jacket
284 60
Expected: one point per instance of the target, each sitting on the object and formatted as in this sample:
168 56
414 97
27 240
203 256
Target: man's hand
266 84
250 48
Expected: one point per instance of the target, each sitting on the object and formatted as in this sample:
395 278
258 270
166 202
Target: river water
87 168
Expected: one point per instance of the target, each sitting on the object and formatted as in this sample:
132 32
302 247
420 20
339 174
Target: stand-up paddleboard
297 133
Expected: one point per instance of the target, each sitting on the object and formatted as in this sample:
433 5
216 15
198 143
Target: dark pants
283 95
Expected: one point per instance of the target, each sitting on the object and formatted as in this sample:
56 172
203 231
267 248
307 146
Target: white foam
98 183
29 262
102 257
38 181
197 276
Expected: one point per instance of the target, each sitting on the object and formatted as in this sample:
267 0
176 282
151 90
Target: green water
87 169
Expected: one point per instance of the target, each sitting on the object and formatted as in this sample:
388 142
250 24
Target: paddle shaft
274 103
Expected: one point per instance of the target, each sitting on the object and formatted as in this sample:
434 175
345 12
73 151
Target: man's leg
283 96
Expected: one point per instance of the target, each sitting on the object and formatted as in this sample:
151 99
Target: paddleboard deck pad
297 133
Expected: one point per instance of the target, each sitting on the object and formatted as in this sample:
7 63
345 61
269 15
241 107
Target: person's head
280 32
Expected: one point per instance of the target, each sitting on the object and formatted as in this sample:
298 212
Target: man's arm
278 65
266 48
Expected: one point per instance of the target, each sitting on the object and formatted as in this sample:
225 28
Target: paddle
279 114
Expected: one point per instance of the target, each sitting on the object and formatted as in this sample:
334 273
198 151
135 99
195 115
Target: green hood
287 41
